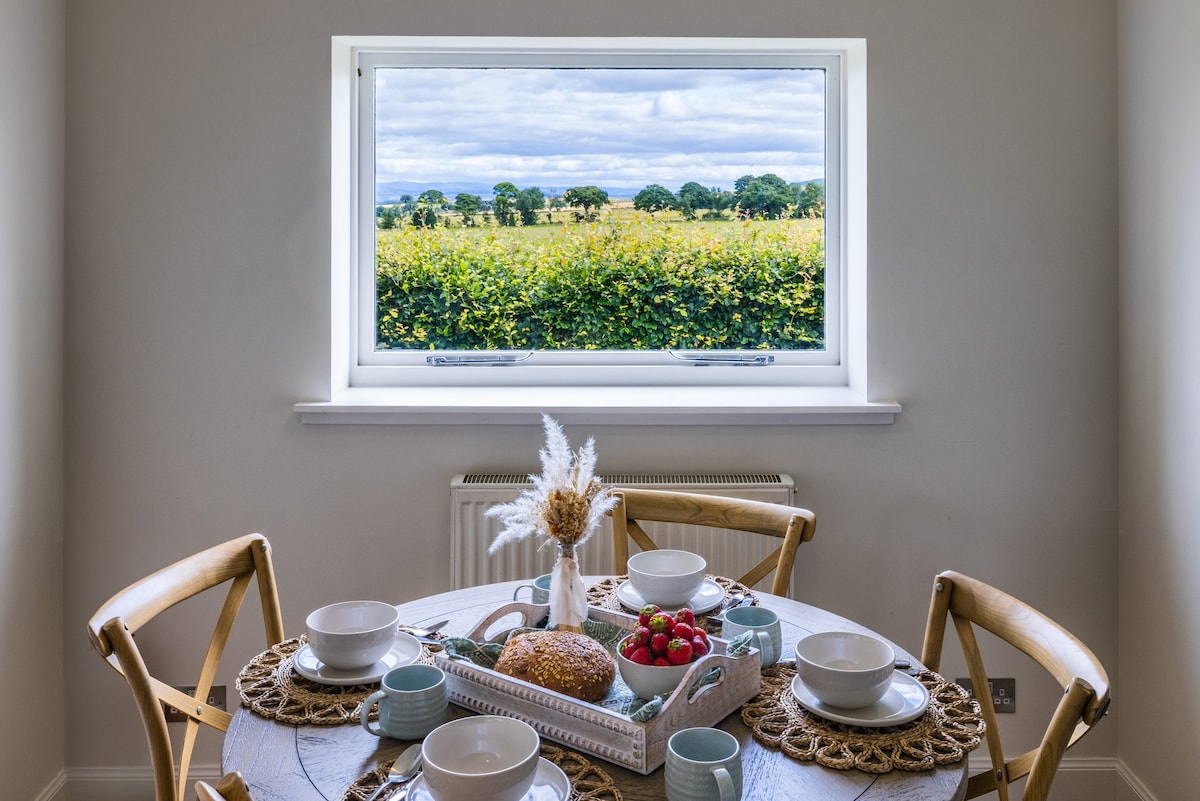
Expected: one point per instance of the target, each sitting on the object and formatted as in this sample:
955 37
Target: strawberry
642 635
661 661
679 651
658 643
662 622
699 647
648 611
699 631
686 615
683 631
641 655
628 646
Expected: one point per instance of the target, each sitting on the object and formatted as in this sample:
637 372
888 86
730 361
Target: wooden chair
791 524
232 787
970 602
113 626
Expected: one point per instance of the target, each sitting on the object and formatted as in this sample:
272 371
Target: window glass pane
599 209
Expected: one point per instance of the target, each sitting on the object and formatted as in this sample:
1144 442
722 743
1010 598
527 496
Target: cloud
566 127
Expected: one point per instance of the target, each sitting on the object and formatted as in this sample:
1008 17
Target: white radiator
471 532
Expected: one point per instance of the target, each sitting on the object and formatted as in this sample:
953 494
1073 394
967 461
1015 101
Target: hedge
611 285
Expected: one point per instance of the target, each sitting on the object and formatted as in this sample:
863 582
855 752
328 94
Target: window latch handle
704 359
492 360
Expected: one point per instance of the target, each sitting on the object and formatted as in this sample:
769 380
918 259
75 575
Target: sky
613 128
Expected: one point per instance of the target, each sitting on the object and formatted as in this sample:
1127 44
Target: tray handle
531 615
698 671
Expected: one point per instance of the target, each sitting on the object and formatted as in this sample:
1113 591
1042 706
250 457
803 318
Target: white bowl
352 634
665 577
650 680
483 756
845 669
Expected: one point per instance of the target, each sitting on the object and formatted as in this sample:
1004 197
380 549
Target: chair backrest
969 603
789 523
113 626
232 787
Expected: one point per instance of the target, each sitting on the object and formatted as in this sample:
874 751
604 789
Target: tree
529 202
504 198
386 217
428 204
468 206
766 196
692 196
809 199
586 197
654 197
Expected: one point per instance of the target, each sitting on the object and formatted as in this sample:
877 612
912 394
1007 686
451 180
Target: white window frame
368 386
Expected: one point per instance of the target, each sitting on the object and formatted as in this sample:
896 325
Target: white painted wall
1160 370
32 130
198 304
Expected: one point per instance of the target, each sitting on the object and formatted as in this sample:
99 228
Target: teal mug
539 590
762 622
413 701
703 765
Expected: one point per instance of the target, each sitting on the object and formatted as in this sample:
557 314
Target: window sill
600 406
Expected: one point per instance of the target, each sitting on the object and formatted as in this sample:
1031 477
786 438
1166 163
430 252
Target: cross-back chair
232 787
969 603
113 626
789 523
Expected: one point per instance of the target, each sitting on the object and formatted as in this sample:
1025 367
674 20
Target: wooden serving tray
594 729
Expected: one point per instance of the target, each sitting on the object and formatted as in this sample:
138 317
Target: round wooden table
282 762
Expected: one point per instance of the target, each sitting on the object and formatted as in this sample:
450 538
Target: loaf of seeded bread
564 661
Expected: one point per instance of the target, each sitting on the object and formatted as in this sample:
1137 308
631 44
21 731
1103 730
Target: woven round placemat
603 594
588 782
270 686
949 729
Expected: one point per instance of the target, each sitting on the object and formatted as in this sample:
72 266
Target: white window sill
600 405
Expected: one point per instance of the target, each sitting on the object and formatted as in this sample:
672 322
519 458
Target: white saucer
708 597
405 650
905 700
549 784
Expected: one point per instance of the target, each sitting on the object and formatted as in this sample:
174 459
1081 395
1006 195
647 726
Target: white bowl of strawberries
656 656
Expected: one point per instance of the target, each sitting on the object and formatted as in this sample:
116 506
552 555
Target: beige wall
198 307
32 83
1160 370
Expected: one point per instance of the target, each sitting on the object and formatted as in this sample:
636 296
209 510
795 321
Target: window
597 212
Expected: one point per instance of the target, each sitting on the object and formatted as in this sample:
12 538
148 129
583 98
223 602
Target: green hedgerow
610 285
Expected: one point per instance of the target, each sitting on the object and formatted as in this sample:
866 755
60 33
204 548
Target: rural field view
468 260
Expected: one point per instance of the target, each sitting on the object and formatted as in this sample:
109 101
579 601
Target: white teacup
765 625
483 756
703 765
352 634
539 590
666 577
413 701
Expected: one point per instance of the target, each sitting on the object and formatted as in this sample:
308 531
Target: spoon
406 766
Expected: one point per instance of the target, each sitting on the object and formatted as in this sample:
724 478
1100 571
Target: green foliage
529 201
468 206
767 196
616 285
504 199
588 198
654 197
